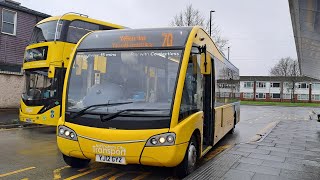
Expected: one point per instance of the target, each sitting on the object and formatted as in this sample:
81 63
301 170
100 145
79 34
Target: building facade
279 89
16 25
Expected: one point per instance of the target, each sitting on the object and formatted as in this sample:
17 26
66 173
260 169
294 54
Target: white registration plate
111 159
28 120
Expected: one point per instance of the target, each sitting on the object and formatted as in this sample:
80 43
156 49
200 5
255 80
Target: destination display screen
36 54
145 38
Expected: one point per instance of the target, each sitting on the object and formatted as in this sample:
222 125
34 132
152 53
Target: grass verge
261 103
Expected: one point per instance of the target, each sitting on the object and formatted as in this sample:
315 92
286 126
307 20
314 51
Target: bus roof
137 38
71 17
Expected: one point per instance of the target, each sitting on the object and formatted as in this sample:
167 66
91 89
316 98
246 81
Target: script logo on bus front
109 150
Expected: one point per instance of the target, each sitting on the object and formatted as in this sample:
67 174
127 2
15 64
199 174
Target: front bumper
136 153
45 118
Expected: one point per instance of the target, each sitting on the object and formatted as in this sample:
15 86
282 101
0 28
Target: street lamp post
228 52
210 21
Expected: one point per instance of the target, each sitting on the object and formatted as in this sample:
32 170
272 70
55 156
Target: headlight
61 131
162 140
154 141
170 139
67 133
166 139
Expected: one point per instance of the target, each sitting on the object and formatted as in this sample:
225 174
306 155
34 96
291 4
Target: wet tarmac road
31 153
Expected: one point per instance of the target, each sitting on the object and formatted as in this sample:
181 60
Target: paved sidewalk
290 151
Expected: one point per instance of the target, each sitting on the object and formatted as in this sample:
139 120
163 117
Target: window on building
286 96
78 29
275 96
225 94
260 95
303 96
9 22
288 84
248 84
248 95
316 86
275 84
316 97
303 85
261 85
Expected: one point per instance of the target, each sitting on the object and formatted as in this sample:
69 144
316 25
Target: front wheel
75 162
188 164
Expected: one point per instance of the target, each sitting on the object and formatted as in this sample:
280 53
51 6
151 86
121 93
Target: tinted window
78 29
228 84
192 95
46 32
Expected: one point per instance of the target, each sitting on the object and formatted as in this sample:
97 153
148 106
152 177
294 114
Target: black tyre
188 164
76 162
234 124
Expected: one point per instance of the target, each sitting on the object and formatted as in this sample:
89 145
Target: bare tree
193 17
287 67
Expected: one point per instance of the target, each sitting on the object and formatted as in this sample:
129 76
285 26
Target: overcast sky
259 32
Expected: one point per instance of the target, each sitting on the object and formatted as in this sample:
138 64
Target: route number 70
167 39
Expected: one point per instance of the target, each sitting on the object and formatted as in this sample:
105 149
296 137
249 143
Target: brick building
279 89
16 24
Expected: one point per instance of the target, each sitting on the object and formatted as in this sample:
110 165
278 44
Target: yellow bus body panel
30 114
164 156
70 148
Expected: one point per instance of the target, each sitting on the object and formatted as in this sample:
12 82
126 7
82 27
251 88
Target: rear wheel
234 124
188 164
76 162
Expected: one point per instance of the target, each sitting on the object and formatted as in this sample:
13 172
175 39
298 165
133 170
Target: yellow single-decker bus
159 97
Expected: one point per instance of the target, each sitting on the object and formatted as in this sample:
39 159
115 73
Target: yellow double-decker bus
45 61
158 97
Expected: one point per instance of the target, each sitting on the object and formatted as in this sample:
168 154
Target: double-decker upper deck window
78 29
9 21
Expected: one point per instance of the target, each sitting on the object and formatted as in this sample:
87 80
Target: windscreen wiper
82 112
113 115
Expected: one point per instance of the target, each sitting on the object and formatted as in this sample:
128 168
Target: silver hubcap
192 157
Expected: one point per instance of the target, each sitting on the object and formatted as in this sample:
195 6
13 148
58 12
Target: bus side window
192 94
77 29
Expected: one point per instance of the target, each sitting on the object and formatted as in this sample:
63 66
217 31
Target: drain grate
215 168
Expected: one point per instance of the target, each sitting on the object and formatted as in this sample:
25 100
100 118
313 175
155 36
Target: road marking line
117 175
216 152
17 171
56 172
25 179
82 174
143 175
92 166
105 175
